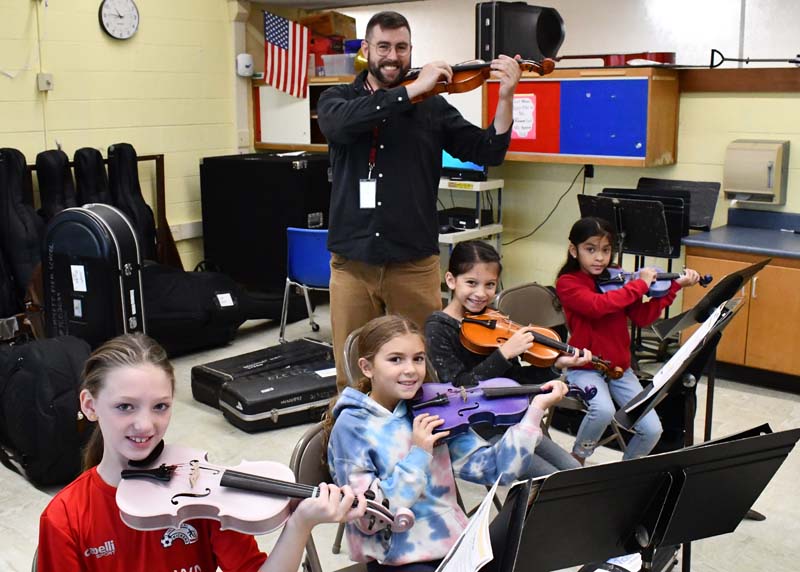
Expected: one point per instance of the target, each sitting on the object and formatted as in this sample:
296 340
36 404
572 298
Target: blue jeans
647 431
549 458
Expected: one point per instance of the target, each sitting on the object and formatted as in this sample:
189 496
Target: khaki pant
361 292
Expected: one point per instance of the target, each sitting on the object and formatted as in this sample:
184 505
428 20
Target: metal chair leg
311 321
284 311
337 542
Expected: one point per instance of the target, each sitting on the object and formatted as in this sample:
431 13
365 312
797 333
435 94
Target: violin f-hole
463 410
190 495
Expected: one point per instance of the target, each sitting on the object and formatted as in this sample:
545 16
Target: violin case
92 275
284 397
209 378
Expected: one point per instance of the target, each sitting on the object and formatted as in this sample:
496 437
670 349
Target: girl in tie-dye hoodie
375 445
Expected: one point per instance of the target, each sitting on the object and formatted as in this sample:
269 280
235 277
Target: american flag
286 55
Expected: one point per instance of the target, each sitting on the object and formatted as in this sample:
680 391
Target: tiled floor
772 544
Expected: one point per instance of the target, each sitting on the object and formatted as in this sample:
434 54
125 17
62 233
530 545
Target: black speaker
512 28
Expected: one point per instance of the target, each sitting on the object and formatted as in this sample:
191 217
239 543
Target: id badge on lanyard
368 188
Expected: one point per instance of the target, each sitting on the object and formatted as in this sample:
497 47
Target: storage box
331 24
339 64
320 45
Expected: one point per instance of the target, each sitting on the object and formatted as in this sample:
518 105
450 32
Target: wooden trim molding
740 80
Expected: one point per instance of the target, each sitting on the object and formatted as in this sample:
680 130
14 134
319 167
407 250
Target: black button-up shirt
403 225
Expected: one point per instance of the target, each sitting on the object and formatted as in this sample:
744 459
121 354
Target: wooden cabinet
763 333
605 116
284 122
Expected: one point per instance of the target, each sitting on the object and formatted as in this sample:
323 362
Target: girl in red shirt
599 321
128 390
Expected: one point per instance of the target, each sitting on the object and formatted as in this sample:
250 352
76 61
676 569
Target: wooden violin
485 332
467 77
499 402
252 498
615 278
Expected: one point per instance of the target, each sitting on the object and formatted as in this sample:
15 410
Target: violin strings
307 490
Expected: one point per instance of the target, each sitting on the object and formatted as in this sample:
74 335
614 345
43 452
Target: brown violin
467 77
483 333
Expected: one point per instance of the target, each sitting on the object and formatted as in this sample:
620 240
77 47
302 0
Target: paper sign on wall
524 113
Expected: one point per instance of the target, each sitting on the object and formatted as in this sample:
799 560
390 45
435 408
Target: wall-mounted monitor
453 168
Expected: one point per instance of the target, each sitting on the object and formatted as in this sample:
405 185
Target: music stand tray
641 504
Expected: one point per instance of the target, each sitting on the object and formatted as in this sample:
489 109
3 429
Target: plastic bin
339 64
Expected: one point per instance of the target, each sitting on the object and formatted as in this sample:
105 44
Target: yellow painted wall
169 89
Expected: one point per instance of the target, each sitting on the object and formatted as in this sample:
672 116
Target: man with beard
386 154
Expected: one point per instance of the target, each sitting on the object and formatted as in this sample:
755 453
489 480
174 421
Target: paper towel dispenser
755 171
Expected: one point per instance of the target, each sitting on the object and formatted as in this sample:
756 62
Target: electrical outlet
44 81
243 138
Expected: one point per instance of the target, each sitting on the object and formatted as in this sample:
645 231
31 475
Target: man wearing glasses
385 154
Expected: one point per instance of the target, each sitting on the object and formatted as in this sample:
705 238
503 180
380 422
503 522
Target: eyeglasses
385 48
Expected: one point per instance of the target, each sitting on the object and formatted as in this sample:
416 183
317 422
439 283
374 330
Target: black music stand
639 505
630 413
641 226
703 197
721 293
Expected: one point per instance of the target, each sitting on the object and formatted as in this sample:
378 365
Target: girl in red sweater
600 322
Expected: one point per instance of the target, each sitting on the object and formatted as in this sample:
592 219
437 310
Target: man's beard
377 73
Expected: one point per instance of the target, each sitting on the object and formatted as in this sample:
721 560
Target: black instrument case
279 398
92 275
208 378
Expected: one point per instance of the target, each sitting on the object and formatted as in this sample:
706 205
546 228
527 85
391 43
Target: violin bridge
463 392
194 472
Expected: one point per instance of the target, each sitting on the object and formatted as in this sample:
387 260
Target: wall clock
119 18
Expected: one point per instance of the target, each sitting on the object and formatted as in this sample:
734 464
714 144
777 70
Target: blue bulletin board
606 117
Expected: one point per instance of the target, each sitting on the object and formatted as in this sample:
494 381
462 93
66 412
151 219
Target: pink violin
252 498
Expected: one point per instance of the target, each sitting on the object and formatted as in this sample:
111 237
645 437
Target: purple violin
615 278
499 402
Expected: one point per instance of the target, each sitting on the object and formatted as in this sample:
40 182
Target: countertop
753 232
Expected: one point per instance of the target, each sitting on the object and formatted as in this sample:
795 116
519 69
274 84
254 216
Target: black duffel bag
42 430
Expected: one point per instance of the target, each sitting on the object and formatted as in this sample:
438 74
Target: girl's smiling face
475 288
397 370
133 410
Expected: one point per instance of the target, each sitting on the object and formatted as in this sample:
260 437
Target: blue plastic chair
308 267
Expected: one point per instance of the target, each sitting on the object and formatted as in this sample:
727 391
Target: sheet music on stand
473 548
671 372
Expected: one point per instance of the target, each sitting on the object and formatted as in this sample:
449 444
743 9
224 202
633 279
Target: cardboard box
331 24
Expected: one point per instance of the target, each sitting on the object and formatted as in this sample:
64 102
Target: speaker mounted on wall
511 28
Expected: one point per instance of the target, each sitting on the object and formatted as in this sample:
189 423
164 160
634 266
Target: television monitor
453 168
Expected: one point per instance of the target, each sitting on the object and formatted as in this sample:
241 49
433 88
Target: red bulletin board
543 136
